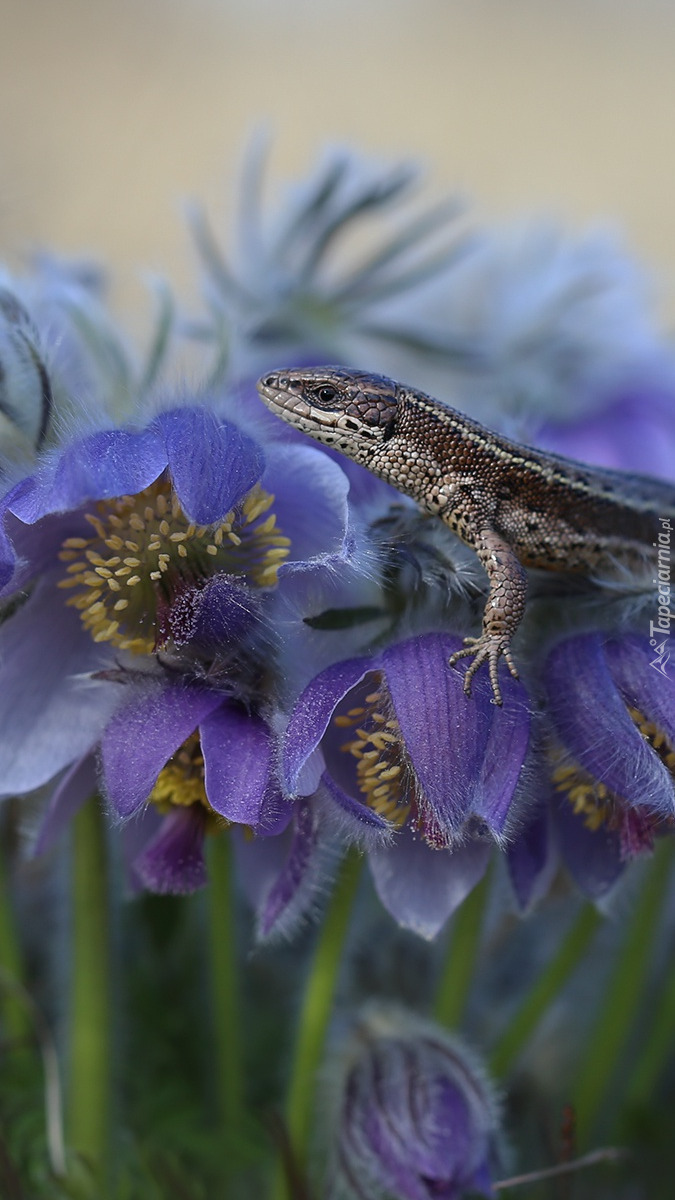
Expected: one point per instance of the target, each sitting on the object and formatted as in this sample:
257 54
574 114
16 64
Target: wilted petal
294 887
220 613
173 862
143 735
592 721
212 463
237 763
313 711
422 887
51 710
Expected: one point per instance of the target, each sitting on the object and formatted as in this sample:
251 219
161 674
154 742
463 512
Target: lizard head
350 410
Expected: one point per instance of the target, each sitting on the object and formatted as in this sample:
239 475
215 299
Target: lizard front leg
503 611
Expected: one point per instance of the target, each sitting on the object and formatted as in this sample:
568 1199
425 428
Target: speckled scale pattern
516 506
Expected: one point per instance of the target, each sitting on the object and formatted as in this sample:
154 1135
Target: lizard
516 506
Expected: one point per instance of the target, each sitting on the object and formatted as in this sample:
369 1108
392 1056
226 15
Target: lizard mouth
280 400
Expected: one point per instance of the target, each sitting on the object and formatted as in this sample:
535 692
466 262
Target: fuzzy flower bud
417 1117
25 391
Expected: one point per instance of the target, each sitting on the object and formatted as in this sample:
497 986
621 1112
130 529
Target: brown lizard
516 506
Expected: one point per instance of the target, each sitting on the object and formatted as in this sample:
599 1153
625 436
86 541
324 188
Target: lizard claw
486 648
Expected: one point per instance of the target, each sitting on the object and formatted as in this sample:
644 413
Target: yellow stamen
166 552
180 784
382 775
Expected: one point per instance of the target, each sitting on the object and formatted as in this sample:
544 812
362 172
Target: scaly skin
516 506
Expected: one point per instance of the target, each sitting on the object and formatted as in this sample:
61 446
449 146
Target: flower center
600 806
145 550
382 774
587 796
180 784
656 738
593 798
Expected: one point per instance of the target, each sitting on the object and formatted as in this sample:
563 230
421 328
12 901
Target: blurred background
115 112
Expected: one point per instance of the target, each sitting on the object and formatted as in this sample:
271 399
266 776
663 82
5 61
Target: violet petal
529 857
505 752
642 685
173 862
237 762
313 711
592 721
361 817
310 499
112 462
79 784
445 734
142 736
592 856
212 463
422 887
51 710
294 886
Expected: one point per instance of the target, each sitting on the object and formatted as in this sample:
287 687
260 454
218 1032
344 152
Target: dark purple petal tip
173 863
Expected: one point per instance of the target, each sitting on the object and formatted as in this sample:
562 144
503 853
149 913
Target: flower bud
417 1118
25 391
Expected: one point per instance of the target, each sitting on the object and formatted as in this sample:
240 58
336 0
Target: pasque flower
417 1118
389 745
609 785
139 562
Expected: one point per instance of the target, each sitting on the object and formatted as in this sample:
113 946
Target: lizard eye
326 394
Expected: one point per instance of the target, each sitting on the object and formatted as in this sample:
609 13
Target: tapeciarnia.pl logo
664 616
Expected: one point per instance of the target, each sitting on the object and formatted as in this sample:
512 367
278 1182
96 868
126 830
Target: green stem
90 1048
461 954
13 1019
225 987
657 1048
545 990
622 995
315 1013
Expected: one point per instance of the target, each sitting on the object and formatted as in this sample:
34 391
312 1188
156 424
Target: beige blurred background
114 112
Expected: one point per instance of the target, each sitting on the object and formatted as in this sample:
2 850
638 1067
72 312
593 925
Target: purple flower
417 1118
632 430
389 747
610 781
143 566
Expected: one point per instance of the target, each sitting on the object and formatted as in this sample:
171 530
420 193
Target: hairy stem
315 1013
461 954
90 1004
225 986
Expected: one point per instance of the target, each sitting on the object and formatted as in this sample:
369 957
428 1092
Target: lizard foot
486 648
